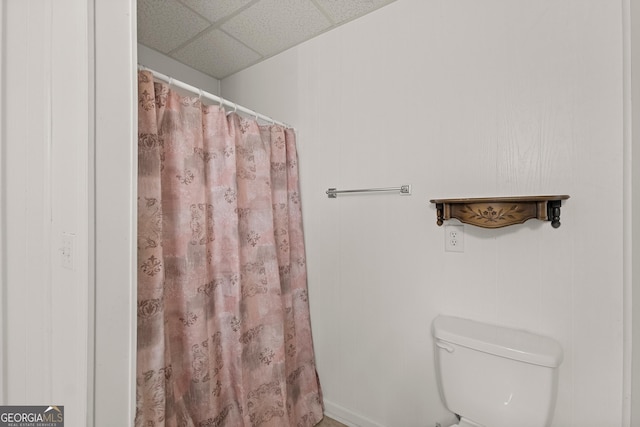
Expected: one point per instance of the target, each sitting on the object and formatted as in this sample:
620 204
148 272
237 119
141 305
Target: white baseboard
347 417
353 419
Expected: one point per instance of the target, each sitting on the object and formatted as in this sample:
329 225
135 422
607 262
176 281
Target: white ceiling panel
217 10
216 54
274 25
164 25
342 11
222 37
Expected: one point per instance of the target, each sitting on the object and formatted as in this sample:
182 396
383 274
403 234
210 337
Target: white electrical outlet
454 238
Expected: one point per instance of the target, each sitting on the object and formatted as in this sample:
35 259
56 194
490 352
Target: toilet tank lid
506 342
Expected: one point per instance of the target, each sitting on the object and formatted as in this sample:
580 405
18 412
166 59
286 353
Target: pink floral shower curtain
224 334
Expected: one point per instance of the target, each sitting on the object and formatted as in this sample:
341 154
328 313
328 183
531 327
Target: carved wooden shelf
496 212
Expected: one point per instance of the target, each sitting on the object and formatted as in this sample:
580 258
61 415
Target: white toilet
492 376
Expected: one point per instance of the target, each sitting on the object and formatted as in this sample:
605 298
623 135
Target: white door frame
2 219
112 400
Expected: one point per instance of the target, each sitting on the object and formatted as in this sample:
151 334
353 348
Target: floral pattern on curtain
224 335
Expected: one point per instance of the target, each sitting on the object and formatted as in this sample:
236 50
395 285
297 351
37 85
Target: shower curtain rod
203 94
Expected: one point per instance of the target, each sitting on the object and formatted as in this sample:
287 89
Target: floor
328 422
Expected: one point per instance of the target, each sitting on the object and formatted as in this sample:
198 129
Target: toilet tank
496 376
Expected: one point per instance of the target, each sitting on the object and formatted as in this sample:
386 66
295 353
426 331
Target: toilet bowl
493 376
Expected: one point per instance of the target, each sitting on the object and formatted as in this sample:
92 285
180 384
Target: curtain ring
235 108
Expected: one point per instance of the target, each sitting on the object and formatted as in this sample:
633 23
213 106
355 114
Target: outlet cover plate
454 238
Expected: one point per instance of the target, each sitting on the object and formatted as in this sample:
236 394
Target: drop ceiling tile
216 54
216 10
271 26
166 24
341 11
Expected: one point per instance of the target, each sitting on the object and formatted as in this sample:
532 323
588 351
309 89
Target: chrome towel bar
404 190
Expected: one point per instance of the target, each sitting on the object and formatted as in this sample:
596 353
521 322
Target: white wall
67 167
458 99
634 205
164 64
45 187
